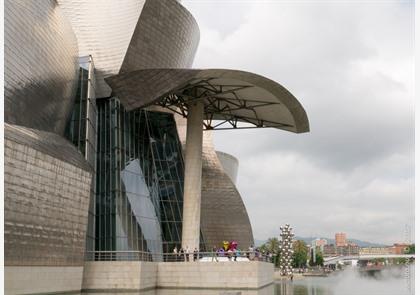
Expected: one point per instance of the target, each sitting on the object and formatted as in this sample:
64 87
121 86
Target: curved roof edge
227 155
145 87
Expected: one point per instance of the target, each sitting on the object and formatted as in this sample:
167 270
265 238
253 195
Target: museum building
104 119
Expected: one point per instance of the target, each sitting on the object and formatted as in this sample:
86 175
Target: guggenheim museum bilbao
108 136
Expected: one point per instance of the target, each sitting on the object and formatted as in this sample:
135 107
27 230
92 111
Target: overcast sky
351 65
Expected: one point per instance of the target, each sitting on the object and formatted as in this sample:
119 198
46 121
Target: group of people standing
232 253
184 254
229 253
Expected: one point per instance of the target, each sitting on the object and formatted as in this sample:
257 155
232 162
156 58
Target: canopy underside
229 97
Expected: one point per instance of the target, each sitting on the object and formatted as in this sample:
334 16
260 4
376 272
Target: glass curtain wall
81 131
137 188
139 180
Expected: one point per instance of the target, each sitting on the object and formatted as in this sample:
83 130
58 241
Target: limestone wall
136 275
42 279
269 290
240 275
119 275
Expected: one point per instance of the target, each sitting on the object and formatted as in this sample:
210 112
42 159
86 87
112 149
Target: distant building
350 249
399 248
320 242
376 251
340 239
329 250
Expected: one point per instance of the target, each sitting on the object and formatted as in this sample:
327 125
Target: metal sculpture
286 250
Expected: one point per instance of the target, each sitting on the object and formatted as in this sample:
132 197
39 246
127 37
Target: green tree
319 259
411 249
399 260
300 254
272 245
263 248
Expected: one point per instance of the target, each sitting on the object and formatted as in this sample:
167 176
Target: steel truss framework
217 104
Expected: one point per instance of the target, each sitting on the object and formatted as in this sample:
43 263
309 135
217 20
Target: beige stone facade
234 275
42 279
129 276
119 275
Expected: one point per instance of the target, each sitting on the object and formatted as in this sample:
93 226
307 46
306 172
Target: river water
391 281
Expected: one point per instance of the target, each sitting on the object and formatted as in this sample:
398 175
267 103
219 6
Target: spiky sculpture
286 250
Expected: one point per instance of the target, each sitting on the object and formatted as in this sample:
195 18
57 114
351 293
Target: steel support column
192 177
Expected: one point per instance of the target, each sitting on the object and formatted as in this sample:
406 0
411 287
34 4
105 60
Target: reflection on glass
81 131
139 180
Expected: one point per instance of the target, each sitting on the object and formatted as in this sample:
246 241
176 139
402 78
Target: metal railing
178 257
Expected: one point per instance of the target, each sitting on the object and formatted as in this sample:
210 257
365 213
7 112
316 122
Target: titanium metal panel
166 36
230 165
228 95
129 35
104 29
223 213
47 190
41 66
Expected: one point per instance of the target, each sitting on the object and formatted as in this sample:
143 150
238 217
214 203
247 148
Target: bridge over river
335 259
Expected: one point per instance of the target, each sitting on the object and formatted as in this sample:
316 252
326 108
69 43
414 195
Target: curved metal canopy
229 96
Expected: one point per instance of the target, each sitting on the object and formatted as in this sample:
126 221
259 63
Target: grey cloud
351 66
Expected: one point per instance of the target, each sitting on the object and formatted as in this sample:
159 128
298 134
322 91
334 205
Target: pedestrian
175 254
230 254
250 254
250 250
236 253
214 254
221 252
182 254
195 255
187 254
